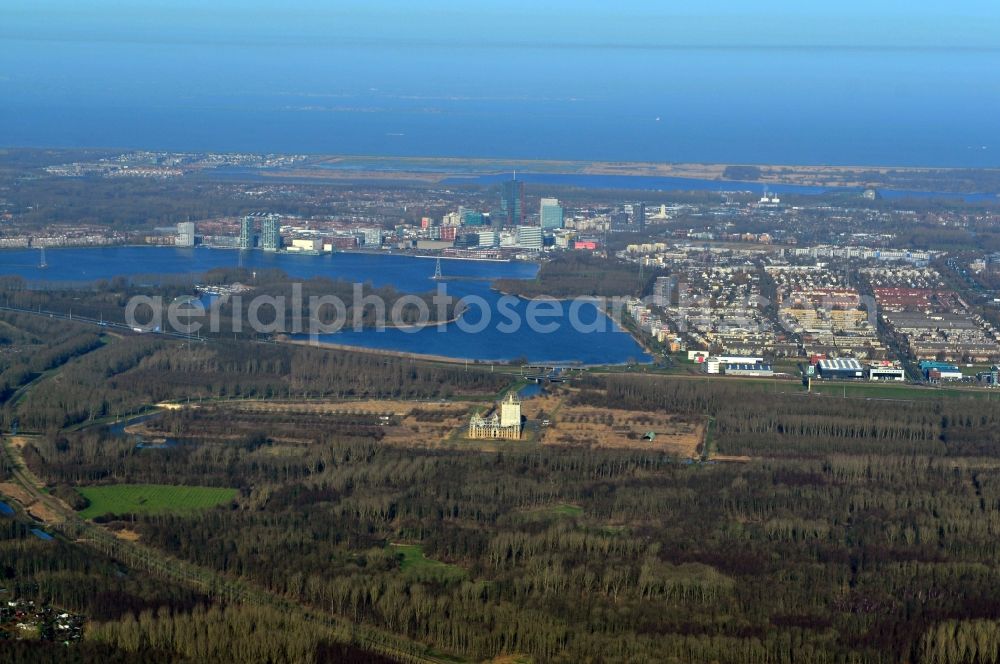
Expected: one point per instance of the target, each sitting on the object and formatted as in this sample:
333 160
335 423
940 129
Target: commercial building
220 241
845 368
529 237
878 372
755 370
372 237
434 245
512 203
550 213
740 359
341 242
489 239
940 371
991 377
185 234
307 244
270 233
466 240
473 218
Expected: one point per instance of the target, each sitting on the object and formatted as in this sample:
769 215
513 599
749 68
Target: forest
128 375
284 303
812 528
579 274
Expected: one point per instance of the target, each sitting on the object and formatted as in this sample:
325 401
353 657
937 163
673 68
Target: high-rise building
663 289
270 233
246 233
639 215
185 234
550 213
512 203
619 218
529 237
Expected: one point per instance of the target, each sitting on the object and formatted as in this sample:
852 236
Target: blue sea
863 106
502 333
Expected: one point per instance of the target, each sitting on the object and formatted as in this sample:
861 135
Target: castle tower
510 411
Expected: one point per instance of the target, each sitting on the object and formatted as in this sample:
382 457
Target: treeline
129 373
136 619
283 303
252 635
63 574
752 421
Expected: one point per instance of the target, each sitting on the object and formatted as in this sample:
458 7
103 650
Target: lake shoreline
392 353
555 340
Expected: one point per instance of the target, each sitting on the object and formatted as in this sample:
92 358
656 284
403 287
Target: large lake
566 343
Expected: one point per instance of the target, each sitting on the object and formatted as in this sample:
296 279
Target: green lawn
151 499
417 566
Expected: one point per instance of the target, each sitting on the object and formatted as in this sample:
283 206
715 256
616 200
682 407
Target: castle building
504 423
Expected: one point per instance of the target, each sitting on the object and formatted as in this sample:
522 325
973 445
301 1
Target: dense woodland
105 373
857 530
138 619
285 308
123 377
845 530
578 274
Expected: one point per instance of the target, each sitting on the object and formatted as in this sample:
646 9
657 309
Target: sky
714 23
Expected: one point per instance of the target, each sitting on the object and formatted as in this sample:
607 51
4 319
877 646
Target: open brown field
613 428
19 441
34 508
394 422
127 534
443 424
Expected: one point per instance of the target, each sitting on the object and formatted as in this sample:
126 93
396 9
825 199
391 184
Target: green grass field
417 566
897 391
567 510
151 499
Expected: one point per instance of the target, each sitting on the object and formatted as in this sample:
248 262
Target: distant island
441 169
456 170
